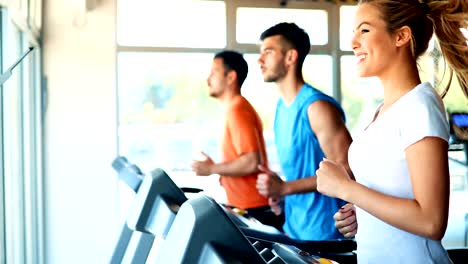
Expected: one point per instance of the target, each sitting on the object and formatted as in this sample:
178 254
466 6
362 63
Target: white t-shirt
377 159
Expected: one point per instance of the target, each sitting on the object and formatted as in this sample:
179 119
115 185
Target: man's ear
403 36
232 76
291 56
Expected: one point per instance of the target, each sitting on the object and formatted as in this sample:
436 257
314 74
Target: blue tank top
309 216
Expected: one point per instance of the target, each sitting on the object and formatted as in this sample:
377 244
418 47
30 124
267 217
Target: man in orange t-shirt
242 145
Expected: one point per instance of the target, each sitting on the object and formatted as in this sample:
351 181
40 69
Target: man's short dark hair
235 61
294 35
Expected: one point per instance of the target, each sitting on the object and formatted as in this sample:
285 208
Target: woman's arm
426 214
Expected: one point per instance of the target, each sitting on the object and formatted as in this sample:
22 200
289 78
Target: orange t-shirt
243 133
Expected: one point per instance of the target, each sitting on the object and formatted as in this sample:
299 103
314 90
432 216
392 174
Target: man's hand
276 205
204 167
269 184
345 220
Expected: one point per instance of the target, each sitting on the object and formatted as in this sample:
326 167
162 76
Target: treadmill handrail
311 246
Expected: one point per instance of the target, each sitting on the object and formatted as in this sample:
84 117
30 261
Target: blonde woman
400 161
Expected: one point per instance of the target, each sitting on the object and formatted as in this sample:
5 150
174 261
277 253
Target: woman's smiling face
372 44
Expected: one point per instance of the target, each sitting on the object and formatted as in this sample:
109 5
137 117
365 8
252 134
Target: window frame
331 48
21 143
2 184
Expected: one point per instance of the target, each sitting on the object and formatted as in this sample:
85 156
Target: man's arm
332 134
245 164
334 139
269 184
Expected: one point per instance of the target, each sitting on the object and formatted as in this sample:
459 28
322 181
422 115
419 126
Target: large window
168 96
21 211
13 149
160 103
165 113
2 184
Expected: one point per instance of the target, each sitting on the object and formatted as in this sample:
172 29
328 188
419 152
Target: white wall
81 142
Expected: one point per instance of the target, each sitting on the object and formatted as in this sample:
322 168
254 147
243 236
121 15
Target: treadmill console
202 232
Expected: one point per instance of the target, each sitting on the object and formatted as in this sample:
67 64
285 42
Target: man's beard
214 94
275 75
272 77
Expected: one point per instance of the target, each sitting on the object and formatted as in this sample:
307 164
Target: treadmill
158 200
151 214
203 232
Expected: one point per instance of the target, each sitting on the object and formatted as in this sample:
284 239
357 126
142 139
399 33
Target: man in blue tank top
309 126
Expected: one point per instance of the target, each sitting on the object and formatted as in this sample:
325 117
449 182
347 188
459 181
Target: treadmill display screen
460 120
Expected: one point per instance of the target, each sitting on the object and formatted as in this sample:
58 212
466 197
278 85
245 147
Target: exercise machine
203 232
158 200
152 212
459 134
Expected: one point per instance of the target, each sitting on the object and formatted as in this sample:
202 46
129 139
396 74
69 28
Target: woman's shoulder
423 96
422 113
